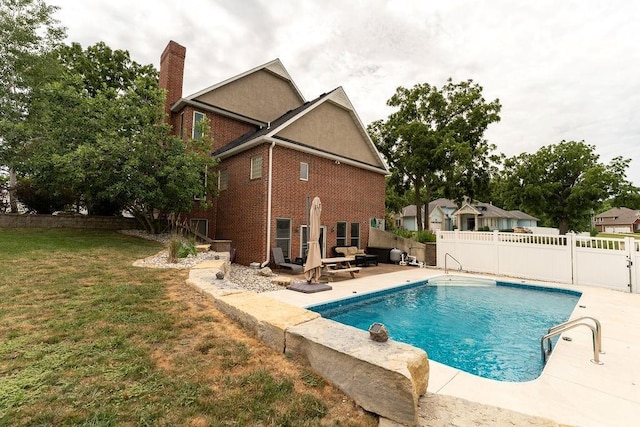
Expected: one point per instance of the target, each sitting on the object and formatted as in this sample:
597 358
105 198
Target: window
197 129
181 134
304 171
355 234
223 180
341 234
283 236
200 226
256 167
203 177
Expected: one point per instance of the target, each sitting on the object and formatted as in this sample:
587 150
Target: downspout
269 191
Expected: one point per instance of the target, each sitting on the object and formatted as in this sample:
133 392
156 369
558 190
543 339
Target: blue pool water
492 331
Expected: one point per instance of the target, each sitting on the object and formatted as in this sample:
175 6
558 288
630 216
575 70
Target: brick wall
72 221
242 208
347 193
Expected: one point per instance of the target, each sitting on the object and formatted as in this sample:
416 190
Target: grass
618 235
87 339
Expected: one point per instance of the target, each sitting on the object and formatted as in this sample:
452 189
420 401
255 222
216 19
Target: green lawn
88 339
619 236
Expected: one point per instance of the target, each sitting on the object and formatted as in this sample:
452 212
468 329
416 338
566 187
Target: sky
562 70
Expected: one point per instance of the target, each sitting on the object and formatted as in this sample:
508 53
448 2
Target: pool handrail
446 270
596 335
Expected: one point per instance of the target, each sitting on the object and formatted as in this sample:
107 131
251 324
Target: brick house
618 220
277 151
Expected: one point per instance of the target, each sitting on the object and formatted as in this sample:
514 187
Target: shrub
425 236
178 248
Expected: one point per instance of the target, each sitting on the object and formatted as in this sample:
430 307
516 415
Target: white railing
607 262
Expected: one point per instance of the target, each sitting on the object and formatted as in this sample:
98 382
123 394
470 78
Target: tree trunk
13 181
427 199
418 202
563 226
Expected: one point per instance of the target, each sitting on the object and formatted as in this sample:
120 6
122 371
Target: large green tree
97 136
435 140
28 32
563 184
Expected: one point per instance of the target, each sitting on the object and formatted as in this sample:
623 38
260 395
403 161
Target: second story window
256 167
197 127
304 171
223 180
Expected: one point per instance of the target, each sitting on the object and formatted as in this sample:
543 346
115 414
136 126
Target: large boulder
386 378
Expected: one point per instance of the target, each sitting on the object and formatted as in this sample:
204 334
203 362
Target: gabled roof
275 66
618 216
442 203
272 133
256 96
522 215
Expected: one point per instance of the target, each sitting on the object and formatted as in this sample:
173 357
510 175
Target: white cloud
562 70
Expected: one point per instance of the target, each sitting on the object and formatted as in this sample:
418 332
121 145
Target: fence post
630 249
496 251
573 259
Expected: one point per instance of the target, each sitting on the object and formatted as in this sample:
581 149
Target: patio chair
278 259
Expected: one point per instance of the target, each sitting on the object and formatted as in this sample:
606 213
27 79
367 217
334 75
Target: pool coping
571 389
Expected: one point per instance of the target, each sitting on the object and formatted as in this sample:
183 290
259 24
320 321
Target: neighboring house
278 151
440 212
618 220
444 214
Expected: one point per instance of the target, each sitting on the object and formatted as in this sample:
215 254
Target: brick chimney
172 73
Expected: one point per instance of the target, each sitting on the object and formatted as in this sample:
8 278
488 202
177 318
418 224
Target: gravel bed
242 277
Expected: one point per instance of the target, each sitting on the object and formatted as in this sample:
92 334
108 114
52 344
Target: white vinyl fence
605 262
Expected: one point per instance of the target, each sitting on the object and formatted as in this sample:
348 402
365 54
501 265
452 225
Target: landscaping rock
385 378
266 272
281 281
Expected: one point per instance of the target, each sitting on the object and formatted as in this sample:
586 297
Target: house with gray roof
445 214
618 220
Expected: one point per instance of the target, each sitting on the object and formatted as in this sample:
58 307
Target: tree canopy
435 140
96 138
564 184
28 32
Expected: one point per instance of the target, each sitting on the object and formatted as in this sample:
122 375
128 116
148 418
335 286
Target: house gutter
269 192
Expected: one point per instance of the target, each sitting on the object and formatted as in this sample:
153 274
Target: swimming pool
487 328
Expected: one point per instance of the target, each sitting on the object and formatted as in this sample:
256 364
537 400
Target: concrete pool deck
571 390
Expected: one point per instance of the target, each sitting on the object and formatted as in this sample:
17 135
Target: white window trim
352 236
193 126
251 174
306 169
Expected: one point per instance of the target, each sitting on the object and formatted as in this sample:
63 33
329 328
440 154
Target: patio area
571 389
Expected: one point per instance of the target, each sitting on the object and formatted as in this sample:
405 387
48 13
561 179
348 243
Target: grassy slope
87 339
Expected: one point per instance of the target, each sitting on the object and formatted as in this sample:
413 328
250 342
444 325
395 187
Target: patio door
304 238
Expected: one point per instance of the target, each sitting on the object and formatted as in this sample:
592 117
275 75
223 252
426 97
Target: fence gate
605 262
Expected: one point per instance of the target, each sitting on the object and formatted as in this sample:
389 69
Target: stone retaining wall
68 221
384 378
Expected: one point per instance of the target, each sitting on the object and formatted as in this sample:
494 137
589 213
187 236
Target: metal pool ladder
446 270
596 335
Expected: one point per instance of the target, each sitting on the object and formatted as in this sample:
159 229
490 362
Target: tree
97 133
435 140
28 32
562 183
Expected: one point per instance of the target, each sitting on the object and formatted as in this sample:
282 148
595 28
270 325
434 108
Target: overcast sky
561 69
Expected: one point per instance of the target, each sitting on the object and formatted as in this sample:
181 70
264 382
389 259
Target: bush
180 249
39 199
424 236
484 228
